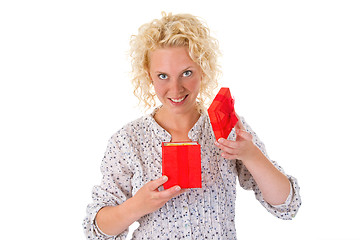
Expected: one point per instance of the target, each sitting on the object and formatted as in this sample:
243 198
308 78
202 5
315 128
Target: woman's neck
178 125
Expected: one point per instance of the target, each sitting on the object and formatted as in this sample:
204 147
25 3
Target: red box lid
222 114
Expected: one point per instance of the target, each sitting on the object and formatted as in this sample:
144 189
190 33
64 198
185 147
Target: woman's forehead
170 58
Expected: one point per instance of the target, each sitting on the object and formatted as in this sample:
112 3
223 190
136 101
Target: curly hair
174 31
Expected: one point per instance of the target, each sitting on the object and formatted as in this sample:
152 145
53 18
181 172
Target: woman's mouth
178 100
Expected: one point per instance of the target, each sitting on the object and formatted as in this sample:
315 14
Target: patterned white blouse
133 157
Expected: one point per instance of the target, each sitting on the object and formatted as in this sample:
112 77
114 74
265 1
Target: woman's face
176 79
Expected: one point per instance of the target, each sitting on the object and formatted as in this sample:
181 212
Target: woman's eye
187 73
162 76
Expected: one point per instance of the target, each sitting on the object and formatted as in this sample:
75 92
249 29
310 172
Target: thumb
239 124
242 133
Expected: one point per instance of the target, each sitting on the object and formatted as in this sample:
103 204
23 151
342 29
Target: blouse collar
164 136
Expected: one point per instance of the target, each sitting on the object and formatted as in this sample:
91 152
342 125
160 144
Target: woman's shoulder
135 126
130 134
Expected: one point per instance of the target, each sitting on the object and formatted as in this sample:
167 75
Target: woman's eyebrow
160 72
185 69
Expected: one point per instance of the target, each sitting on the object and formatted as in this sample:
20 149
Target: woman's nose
176 86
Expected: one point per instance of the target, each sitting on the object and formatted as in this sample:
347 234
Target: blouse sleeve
289 208
115 187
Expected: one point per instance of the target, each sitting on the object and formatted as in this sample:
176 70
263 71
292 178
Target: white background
65 89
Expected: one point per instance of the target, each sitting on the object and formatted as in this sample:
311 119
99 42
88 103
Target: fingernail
165 178
221 140
177 188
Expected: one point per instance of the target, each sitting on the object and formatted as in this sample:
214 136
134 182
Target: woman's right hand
113 220
149 198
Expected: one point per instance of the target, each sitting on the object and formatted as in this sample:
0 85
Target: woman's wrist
253 154
131 209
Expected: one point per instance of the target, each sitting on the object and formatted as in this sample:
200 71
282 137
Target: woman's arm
274 185
113 220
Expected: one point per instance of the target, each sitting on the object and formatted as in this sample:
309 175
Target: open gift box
181 163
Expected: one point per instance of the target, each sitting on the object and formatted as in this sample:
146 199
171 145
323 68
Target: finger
184 190
229 156
153 185
171 192
244 135
228 149
228 143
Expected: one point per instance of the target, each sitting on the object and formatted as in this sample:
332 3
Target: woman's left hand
242 148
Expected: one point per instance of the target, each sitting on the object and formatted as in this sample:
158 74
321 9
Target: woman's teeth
177 100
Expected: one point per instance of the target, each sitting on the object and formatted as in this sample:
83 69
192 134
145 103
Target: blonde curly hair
174 31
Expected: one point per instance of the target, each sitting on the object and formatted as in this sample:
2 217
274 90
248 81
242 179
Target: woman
175 59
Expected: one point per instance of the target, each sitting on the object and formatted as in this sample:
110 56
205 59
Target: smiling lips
178 100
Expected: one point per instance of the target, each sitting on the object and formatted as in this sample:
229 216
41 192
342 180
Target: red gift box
181 163
222 114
